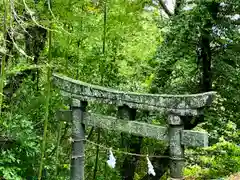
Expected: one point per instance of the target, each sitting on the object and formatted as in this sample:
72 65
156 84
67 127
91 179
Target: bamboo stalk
104 26
57 147
48 88
106 151
101 73
103 52
97 155
2 78
80 44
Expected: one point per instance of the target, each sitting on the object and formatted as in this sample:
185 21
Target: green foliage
221 159
130 43
143 52
180 69
24 123
131 40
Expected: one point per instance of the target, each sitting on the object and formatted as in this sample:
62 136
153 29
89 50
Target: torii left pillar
176 148
78 136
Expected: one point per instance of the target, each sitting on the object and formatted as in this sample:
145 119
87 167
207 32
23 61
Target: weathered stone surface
188 138
79 93
132 127
177 104
174 120
78 136
176 150
194 138
180 112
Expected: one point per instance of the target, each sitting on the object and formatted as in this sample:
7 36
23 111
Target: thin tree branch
165 8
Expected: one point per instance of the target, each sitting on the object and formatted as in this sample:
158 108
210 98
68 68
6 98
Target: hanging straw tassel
112 160
150 167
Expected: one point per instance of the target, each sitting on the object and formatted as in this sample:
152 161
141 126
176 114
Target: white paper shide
112 160
150 167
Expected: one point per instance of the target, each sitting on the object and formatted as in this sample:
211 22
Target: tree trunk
205 61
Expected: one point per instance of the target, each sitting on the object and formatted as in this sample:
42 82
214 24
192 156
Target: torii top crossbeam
181 105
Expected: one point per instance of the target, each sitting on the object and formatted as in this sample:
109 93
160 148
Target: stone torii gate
176 106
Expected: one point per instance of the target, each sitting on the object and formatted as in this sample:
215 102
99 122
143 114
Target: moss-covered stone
177 104
188 138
